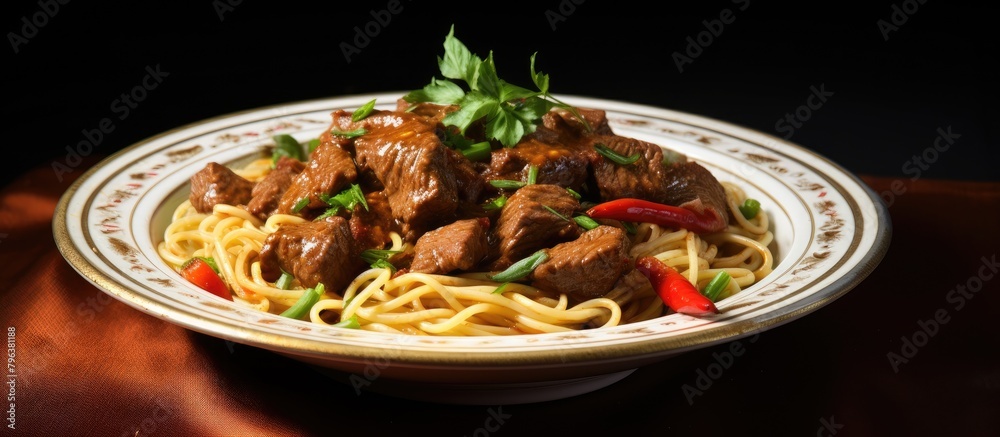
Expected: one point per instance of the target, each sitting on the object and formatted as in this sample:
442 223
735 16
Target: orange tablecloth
86 364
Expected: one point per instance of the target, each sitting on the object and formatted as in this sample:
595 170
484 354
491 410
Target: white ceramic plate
830 233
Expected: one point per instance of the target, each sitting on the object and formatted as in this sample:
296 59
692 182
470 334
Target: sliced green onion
499 289
555 212
285 281
372 255
532 174
522 268
384 264
350 133
497 203
362 112
351 323
750 208
305 303
573 193
629 227
478 151
716 285
586 222
613 156
506 184
302 203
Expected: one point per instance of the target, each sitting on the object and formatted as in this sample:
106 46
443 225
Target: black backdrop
894 71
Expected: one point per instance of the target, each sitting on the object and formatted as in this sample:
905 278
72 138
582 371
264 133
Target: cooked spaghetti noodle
464 304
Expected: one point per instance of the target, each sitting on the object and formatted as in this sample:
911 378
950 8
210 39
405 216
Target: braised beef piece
267 193
217 184
456 246
642 178
587 267
568 125
690 185
371 226
565 165
418 171
525 225
330 169
320 251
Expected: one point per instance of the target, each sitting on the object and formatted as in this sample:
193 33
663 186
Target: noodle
466 304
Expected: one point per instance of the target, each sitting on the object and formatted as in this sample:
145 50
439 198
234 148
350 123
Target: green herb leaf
372 255
313 144
478 151
500 288
286 145
348 199
364 111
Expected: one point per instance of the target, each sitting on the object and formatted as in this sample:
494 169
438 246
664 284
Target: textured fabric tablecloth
83 363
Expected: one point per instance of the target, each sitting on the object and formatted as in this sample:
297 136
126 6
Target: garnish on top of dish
474 207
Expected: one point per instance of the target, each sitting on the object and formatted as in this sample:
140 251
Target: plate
830 231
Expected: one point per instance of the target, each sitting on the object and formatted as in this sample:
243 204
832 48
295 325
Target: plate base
483 394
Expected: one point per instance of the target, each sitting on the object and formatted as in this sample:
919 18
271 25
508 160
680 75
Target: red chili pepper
674 289
643 211
199 273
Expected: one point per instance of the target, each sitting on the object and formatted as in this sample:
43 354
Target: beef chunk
267 193
330 169
566 165
313 252
587 267
457 246
690 185
641 179
217 184
568 125
525 225
371 226
404 152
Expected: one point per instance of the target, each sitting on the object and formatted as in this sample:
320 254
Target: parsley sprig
508 111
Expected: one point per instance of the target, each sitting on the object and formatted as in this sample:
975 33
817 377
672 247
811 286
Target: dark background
936 70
